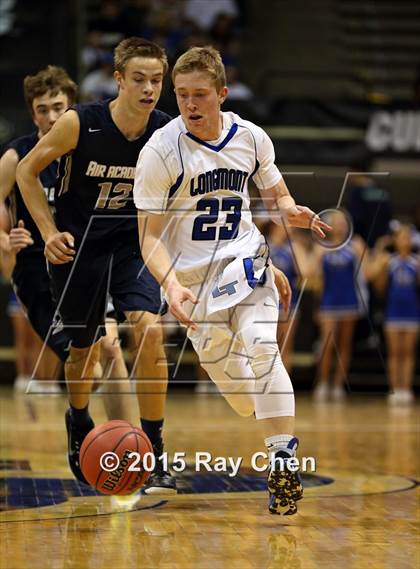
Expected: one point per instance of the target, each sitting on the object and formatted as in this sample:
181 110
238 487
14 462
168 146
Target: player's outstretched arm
281 206
156 257
60 140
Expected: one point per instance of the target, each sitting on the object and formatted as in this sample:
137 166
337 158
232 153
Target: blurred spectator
223 30
416 87
7 16
167 32
135 17
203 13
238 91
110 22
416 236
369 205
93 51
194 39
100 84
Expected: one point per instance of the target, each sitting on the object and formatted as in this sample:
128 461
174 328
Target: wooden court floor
360 508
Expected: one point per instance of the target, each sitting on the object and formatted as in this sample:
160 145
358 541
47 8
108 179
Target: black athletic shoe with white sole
75 437
161 481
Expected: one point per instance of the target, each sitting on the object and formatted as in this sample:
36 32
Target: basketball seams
82 455
113 450
130 476
139 434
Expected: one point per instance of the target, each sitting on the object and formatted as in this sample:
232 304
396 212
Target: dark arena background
336 86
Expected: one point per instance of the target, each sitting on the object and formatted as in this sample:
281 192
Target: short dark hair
52 78
138 47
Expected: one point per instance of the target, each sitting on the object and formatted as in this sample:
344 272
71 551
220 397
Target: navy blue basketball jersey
23 146
96 179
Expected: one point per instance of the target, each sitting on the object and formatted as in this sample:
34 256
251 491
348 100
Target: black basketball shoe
161 481
75 437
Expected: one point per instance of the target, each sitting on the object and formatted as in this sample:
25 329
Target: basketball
100 467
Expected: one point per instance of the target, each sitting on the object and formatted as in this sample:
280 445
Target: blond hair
52 79
206 59
138 47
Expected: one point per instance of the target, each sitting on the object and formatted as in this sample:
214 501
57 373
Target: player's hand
176 295
283 287
302 216
20 238
59 248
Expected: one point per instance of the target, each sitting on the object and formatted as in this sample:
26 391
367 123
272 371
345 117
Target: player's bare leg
115 387
80 369
47 371
20 326
150 372
327 330
409 341
394 352
344 347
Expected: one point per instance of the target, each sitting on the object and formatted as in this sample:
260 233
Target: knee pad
276 397
238 393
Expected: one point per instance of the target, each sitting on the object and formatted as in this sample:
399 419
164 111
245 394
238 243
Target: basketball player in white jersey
199 241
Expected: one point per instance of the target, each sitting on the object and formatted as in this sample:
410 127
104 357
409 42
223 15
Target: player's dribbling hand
176 295
302 216
59 248
283 287
19 238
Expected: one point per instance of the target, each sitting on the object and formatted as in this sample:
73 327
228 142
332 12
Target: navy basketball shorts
32 286
102 267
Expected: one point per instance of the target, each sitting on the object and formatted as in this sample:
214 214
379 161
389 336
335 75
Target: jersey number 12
113 197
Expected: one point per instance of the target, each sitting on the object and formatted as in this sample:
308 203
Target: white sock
280 442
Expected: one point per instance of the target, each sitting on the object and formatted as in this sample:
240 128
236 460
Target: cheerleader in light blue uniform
288 254
343 302
398 274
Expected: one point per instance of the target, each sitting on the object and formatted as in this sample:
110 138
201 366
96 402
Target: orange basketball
108 444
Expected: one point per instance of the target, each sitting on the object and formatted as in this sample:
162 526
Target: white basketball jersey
202 189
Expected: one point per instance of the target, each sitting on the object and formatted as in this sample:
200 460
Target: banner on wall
343 132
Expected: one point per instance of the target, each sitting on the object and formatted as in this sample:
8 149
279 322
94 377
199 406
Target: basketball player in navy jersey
48 94
92 245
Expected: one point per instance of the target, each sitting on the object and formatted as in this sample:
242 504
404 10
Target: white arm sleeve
152 182
267 174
